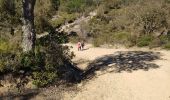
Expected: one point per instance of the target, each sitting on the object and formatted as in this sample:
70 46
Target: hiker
79 46
82 45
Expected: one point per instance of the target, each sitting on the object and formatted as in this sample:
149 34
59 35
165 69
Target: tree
29 36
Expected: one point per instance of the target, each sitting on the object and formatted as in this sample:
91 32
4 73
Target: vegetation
143 21
118 22
144 41
43 64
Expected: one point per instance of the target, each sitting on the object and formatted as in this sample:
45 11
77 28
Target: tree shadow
85 49
128 61
26 95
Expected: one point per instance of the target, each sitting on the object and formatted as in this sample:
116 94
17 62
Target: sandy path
138 85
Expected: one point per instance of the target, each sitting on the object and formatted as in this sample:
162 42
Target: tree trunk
29 36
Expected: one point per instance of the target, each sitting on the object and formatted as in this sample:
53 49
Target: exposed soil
115 74
150 80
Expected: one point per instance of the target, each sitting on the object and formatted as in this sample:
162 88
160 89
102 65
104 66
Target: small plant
144 40
75 6
42 65
167 46
121 37
43 78
74 39
97 42
64 17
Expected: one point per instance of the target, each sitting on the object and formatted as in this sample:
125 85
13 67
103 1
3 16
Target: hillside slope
106 84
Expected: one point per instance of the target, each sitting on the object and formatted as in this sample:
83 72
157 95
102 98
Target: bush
121 37
43 65
115 38
97 42
43 78
74 39
153 19
113 4
75 6
50 57
10 43
78 6
4 46
167 46
159 42
144 40
64 17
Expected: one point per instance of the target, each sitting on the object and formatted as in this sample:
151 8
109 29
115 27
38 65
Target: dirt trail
153 84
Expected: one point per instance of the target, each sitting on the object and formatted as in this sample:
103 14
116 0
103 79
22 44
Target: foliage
144 40
43 78
72 6
74 39
121 37
64 18
122 22
167 46
10 12
114 16
10 42
115 38
75 6
153 19
43 65
8 61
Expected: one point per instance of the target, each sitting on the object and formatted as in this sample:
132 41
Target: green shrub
144 40
11 12
153 19
9 62
50 57
113 4
75 6
78 6
132 40
121 37
74 39
64 17
167 46
43 78
97 42
4 46
42 65
58 22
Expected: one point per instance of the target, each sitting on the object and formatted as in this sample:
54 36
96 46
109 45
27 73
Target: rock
80 85
111 64
130 61
111 69
98 72
30 85
1 85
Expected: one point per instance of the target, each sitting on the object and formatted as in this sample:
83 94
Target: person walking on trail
82 45
79 46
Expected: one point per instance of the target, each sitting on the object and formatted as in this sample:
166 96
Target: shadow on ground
123 61
26 95
127 61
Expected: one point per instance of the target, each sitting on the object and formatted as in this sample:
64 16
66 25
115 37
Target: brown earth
149 82
153 84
